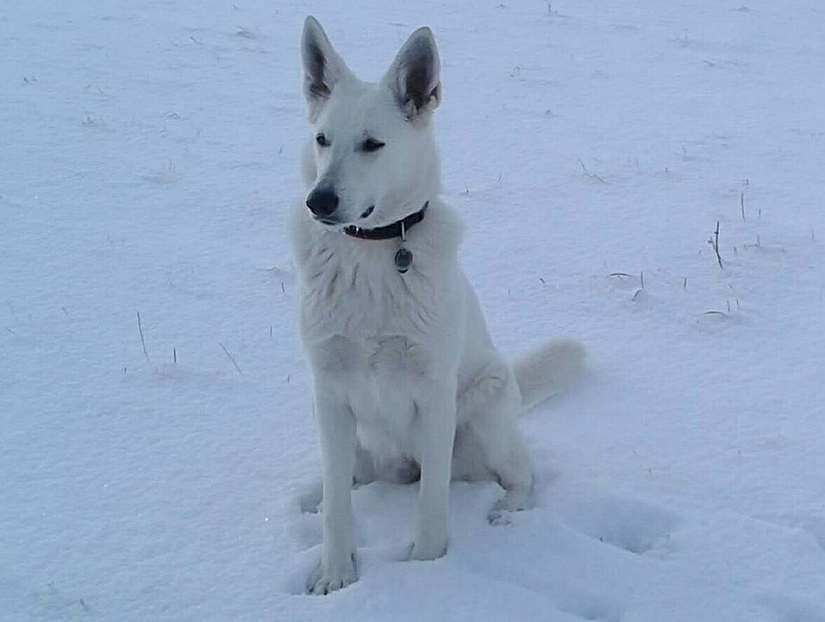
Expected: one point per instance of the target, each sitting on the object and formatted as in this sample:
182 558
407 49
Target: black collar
395 230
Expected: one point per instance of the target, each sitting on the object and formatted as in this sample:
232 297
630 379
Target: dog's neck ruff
397 229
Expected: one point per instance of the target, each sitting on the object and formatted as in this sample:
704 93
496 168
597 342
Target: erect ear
323 68
414 75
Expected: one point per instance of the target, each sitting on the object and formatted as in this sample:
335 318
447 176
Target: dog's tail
548 370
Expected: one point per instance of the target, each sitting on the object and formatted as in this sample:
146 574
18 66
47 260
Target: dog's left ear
414 76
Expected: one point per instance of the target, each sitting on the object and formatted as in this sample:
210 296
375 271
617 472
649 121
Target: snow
149 152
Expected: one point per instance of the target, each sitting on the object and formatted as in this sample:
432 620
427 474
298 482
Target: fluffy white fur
407 382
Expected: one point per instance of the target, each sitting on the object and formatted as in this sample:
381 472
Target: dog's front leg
437 413
337 427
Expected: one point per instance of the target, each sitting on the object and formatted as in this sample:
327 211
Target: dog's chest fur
351 287
378 333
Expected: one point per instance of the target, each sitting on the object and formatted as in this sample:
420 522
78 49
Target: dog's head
373 159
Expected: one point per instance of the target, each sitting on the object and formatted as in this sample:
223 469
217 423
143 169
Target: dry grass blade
142 340
231 358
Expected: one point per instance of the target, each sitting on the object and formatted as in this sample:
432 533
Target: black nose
322 201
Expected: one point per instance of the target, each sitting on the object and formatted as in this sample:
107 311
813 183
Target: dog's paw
499 518
311 499
427 551
515 500
323 581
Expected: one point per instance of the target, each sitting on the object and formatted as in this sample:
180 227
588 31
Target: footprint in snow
814 525
590 607
787 609
635 526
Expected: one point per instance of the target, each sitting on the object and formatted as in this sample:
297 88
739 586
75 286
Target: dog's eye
371 144
322 140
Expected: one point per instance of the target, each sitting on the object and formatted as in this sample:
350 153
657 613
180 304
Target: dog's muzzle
323 202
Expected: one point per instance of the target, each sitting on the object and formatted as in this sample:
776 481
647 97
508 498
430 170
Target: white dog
406 378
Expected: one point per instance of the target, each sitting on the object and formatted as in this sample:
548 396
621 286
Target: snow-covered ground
148 152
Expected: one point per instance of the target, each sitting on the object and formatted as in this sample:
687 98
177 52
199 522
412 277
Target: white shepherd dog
407 381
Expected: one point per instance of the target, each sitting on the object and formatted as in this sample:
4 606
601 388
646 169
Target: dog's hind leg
392 467
514 473
364 472
492 440
365 469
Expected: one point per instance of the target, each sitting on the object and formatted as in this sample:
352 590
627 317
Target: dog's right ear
323 68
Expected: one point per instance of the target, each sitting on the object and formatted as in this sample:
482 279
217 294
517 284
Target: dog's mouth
327 220
333 223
